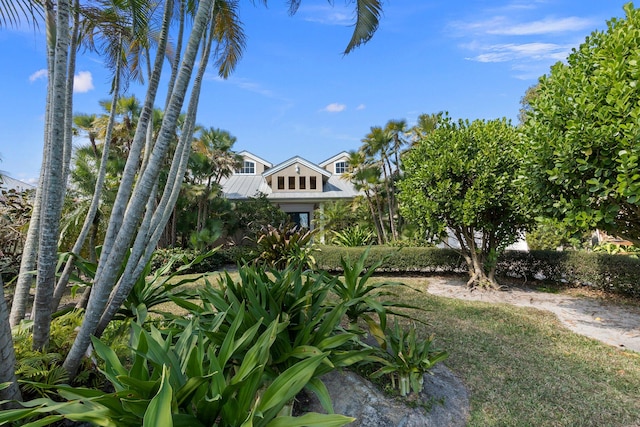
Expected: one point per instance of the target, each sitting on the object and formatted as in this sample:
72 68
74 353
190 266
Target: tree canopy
584 133
461 178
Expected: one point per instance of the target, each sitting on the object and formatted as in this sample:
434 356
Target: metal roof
240 187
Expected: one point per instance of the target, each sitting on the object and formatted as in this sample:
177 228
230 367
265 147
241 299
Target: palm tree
366 178
211 160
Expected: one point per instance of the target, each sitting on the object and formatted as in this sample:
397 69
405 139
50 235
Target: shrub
407 359
609 273
289 244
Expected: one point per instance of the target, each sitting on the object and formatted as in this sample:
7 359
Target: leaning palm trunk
119 238
148 238
61 286
54 185
7 356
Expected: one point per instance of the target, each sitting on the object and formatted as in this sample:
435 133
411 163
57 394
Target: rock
443 402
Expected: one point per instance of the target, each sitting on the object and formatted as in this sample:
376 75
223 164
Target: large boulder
443 401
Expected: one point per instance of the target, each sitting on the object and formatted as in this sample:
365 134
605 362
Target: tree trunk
88 224
7 357
121 235
148 238
28 263
54 185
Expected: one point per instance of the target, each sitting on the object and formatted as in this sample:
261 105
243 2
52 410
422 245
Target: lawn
523 368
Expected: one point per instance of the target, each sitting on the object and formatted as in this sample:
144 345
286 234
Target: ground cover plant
238 354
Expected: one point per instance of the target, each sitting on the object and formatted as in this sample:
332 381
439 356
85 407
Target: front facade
297 186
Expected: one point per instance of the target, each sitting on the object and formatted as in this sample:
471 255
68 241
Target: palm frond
12 12
229 35
367 21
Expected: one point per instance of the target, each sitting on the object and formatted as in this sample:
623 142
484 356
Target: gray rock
443 402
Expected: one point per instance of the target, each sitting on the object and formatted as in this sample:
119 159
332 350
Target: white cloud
530 51
327 15
361 107
334 108
82 82
504 26
40 74
545 26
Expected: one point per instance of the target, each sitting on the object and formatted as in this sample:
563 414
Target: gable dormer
296 175
252 164
337 165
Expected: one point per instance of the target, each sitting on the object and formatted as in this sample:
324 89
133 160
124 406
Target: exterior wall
302 171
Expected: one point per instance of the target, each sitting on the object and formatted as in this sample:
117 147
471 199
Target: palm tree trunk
88 224
165 207
53 183
111 261
28 263
7 356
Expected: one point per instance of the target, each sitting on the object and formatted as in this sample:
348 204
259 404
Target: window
312 182
341 167
292 183
281 183
248 168
300 218
303 183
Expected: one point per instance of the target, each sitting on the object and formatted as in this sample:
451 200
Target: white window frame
248 165
343 166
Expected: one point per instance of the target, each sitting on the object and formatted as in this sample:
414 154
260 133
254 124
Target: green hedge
403 259
611 273
221 258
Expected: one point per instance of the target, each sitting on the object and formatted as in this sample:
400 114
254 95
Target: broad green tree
461 179
583 130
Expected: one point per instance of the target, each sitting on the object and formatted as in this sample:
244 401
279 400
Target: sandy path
612 324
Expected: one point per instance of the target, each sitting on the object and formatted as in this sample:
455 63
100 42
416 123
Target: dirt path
612 324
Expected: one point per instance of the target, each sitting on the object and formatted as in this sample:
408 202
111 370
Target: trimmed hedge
221 258
611 273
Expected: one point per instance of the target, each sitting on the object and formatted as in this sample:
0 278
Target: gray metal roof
239 187
8 183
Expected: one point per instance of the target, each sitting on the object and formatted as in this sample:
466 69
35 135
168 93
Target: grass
523 368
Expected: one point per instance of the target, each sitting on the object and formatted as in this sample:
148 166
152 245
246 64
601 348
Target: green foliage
190 378
362 298
250 217
15 213
151 290
393 259
551 234
610 273
462 177
289 244
353 236
38 371
407 358
300 298
582 130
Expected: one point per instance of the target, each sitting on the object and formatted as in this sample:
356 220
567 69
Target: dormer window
248 168
340 167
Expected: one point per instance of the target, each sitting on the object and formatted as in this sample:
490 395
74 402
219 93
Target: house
7 183
297 186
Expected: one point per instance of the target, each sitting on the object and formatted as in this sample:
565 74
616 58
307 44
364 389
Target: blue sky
294 93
